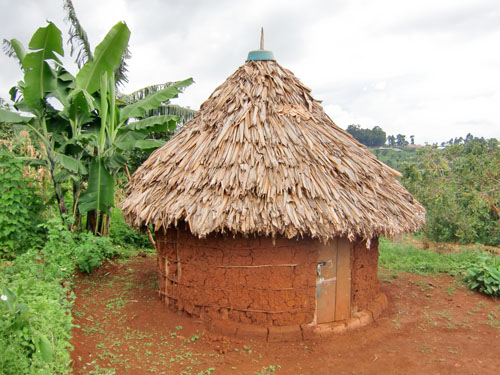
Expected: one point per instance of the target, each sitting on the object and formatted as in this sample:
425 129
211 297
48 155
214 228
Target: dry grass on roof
262 157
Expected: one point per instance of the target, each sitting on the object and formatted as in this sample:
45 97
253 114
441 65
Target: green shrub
35 328
485 276
123 235
65 250
57 255
21 208
458 187
91 251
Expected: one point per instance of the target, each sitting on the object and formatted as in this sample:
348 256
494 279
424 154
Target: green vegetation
53 165
22 207
407 258
376 137
122 235
35 325
87 142
81 149
36 300
460 188
370 138
35 308
479 269
395 158
458 183
485 276
267 370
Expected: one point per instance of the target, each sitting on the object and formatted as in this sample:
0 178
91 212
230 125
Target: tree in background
460 189
391 140
378 136
401 140
369 137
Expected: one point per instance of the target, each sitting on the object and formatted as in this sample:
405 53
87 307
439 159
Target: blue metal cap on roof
261 54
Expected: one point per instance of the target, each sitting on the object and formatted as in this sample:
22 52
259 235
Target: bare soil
433 325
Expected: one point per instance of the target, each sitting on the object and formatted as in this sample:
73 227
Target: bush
21 208
485 276
121 234
458 186
91 251
65 250
481 269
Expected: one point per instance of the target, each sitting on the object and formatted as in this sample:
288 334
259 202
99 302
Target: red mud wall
247 280
364 274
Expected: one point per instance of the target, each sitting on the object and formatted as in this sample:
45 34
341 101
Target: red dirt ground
433 325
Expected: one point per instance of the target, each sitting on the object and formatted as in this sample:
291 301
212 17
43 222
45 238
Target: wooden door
333 281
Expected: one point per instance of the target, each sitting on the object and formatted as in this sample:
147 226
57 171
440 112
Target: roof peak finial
260 54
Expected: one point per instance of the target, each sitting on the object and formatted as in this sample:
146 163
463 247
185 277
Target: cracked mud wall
253 280
364 274
246 280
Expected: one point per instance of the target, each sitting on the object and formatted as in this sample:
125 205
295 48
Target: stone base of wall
294 333
359 319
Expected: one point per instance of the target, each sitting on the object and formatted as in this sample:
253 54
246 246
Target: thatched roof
262 157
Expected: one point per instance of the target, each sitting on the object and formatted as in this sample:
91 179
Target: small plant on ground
267 370
485 276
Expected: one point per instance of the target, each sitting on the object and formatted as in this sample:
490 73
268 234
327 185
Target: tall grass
407 258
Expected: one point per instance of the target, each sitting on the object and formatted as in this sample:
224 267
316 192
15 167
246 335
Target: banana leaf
70 163
152 101
100 191
107 58
13 117
153 124
39 77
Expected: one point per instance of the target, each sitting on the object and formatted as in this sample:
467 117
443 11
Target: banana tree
45 78
115 134
93 132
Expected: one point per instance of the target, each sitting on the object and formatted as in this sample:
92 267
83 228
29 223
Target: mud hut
267 215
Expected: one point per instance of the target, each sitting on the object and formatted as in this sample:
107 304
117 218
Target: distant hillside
395 157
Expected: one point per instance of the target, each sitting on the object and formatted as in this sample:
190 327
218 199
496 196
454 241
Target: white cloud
427 68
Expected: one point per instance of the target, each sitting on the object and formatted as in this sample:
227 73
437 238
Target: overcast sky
429 68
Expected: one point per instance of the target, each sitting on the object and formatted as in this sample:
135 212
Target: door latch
318 267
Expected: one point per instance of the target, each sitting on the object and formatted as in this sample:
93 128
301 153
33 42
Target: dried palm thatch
262 157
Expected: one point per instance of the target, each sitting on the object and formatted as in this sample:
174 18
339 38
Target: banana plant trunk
92 221
77 222
58 193
98 223
105 221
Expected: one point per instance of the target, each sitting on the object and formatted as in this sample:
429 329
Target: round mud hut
266 214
